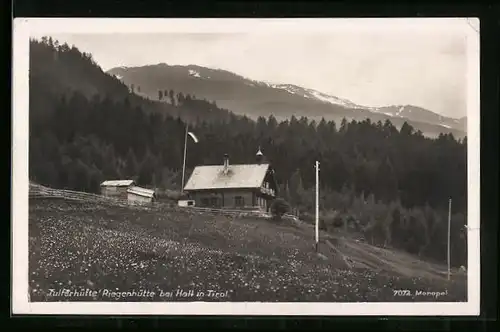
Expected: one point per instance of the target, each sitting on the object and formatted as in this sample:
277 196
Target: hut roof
117 183
237 176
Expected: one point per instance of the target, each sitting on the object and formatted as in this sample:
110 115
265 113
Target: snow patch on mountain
194 73
401 109
331 99
313 94
292 89
383 110
119 77
287 88
378 110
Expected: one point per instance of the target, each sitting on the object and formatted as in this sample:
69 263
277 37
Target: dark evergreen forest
392 186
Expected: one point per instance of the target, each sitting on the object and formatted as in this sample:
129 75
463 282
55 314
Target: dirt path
363 255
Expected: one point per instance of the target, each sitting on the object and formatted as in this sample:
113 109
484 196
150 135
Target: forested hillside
58 69
390 185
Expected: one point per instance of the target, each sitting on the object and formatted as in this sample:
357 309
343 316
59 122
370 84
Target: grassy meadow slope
91 243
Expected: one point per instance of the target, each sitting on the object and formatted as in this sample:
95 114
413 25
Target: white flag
193 137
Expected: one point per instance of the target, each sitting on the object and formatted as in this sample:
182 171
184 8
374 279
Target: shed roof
117 183
238 176
141 191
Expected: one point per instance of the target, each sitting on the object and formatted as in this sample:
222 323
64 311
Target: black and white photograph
246 166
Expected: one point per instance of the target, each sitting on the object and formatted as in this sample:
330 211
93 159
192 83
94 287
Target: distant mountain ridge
253 98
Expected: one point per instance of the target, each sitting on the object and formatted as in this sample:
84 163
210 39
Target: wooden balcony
267 191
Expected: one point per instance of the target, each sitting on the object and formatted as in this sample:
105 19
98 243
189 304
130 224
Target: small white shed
185 203
116 188
140 195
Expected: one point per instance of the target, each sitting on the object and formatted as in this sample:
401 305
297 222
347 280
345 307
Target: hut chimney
226 163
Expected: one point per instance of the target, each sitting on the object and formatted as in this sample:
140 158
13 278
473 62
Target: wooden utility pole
317 205
449 235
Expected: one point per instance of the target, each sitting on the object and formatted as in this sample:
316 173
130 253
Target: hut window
238 201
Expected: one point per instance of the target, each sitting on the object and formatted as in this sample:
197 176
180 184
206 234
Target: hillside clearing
92 244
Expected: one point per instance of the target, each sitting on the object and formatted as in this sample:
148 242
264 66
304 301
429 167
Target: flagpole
184 162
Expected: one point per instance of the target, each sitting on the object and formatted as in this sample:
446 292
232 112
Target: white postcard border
25 27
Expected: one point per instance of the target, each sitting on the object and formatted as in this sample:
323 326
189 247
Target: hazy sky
373 68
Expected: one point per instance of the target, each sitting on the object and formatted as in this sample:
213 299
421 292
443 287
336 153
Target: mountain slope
253 98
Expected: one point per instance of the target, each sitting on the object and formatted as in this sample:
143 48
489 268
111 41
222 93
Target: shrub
307 217
328 218
279 207
338 222
170 195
